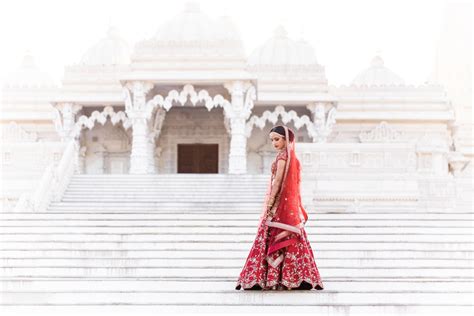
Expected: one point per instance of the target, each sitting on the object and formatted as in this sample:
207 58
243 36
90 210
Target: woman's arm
278 178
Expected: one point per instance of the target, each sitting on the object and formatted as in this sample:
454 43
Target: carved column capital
243 94
236 86
135 95
139 86
324 114
68 107
65 118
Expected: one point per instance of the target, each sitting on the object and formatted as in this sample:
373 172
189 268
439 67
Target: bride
281 256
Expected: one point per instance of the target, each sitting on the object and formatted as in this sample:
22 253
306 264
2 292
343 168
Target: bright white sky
345 34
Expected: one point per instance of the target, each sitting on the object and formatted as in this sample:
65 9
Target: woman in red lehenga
281 256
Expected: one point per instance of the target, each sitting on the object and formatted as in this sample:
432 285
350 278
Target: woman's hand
270 212
271 201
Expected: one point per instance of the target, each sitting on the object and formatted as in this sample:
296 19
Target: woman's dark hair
281 130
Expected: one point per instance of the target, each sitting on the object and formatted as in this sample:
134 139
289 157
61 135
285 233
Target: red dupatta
289 213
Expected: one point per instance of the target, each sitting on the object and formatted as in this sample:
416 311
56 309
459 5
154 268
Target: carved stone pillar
64 121
81 157
155 126
323 121
151 153
136 109
242 94
65 118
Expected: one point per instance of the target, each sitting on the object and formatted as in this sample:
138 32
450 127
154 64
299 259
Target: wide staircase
178 243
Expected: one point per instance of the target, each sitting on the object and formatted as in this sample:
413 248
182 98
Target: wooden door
198 158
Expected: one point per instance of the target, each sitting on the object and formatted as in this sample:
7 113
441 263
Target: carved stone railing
370 173
53 183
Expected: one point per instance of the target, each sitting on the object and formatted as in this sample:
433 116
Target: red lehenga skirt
292 266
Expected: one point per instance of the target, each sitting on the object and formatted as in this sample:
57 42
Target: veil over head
289 213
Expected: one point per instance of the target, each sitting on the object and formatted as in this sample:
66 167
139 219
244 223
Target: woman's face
278 142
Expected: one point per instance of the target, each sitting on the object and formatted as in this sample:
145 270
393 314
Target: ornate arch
182 96
101 117
286 117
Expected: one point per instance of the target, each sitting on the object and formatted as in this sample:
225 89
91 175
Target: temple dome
377 75
110 50
29 75
193 25
281 50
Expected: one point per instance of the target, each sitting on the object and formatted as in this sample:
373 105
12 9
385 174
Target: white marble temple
128 110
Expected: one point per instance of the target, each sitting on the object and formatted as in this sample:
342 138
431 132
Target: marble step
213 216
159 199
157 205
172 184
179 190
57 207
118 308
167 183
232 245
322 262
164 196
240 237
219 229
229 298
203 202
169 175
235 253
229 272
169 187
394 222
177 178
349 285
173 177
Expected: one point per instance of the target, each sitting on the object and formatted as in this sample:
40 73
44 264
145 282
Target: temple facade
189 100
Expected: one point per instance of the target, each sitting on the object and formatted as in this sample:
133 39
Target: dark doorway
198 158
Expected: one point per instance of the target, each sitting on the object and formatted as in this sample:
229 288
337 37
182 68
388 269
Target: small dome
109 51
226 29
281 50
306 52
29 75
377 75
192 25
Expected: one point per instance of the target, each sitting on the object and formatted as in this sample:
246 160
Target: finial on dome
192 6
113 32
280 32
377 75
377 61
302 30
28 60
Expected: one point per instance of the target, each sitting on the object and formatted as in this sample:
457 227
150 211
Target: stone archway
105 147
198 132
